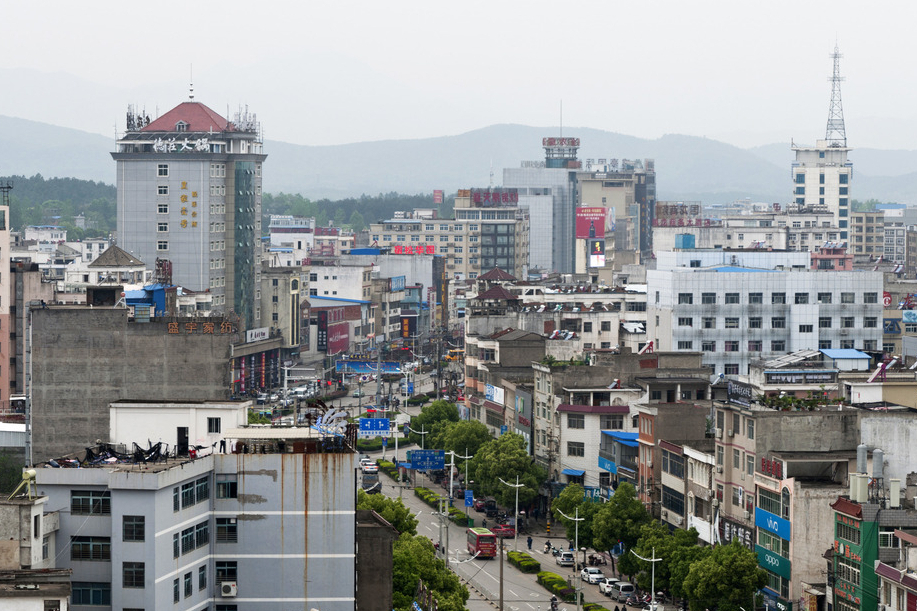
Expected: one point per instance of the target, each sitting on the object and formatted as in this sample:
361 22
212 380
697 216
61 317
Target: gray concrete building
189 190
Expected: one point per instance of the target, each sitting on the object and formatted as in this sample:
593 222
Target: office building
189 191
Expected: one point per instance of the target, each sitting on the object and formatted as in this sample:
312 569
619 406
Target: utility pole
653 560
517 486
578 576
466 459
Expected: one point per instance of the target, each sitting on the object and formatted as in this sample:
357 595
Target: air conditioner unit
649 464
716 502
719 433
719 468
747 515
742 475
229 589
730 433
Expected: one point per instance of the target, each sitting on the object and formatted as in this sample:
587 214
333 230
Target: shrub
389 469
524 562
371 444
595 607
557 585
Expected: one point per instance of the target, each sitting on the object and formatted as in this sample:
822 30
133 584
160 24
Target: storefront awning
625 439
574 472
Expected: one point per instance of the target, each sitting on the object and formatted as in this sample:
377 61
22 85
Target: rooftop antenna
835 134
191 86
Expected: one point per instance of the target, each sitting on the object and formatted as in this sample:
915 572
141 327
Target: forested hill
36 200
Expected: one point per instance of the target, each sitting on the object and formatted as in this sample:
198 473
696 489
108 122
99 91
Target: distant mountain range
687 167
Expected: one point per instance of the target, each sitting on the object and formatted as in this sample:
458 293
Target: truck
370 483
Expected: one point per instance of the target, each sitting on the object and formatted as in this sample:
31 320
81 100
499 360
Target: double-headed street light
579 576
517 486
653 560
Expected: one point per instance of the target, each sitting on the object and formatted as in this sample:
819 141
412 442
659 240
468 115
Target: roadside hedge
370 444
557 585
524 562
388 468
596 607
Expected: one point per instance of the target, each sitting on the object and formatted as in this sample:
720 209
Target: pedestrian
484 523
529 541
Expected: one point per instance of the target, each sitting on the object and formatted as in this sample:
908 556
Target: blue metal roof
574 472
625 439
846 353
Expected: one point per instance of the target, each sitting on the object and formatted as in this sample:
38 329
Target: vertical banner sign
322 343
242 374
252 371
437 196
263 366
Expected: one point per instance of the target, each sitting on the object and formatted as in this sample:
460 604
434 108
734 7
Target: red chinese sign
560 142
494 197
200 328
774 468
420 249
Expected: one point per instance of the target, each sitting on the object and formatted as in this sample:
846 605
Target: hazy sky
348 71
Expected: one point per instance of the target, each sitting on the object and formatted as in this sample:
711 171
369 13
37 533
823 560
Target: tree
413 559
10 471
655 538
506 457
356 221
573 502
438 411
620 520
466 437
394 511
726 578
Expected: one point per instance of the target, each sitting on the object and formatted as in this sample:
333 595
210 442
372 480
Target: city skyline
329 74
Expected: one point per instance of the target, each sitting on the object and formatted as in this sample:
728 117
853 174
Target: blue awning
574 472
625 439
628 443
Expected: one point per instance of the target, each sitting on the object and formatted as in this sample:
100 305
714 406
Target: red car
478 505
503 531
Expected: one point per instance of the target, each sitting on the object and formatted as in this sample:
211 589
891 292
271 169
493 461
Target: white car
590 574
607 585
369 467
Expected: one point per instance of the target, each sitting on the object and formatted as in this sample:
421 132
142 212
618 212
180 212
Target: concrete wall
139 422
84 359
374 561
806 431
894 434
813 532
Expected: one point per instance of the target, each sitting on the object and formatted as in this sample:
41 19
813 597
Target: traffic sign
410 389
503 429
424 460
374 427
469 498
384 442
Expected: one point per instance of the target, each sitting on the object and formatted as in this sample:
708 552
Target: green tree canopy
414 559
572 502
465 438
393 510
506 457
655 538
438 411
620 520
356 221
726 578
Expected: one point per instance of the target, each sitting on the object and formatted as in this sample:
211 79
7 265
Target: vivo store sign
772 523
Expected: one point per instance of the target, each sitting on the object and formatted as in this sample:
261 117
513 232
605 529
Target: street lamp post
517 486
653 560
466 459
576 519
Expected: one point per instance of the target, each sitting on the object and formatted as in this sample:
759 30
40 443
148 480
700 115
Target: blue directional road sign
424 460
374 427
469 498
411 389
503 429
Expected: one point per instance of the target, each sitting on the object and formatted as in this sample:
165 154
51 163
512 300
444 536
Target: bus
482 542
455 355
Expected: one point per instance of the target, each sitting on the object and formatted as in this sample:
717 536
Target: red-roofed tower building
189 190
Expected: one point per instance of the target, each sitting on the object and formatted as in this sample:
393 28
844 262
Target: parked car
590 574
274 397
358 393
262 398
369 468
503 531
478 505
622 590
606 586
564 559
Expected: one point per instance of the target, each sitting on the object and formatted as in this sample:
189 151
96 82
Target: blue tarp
574 472
626 439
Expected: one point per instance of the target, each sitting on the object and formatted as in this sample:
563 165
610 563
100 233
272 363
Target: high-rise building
189 190
821 173
548 189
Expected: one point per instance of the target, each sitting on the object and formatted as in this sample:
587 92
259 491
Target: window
824 298
162 169
176 546
162 208
587 327
226 571
847 298
133 528
90 548
162 227
778 345
202 577
612 422
755 345
188 584
176 593
576 421
685 345
90 593
685 298
778 322
720 453
162 245
227 486
684 322
731 369
754 322
708 346
870 298
576 448
213 425
731 298
132 574
162 189
756 298
226 530
732 323
778 298
824 322
802 298
89 502
709 322
708 298
824 344
870 322
606 325
806 328
731 346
